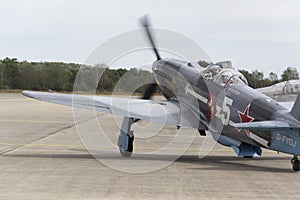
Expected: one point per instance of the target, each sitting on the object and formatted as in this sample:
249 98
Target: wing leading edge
267 126
151 110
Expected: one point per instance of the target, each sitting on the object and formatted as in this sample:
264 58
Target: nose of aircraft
168 64
156 65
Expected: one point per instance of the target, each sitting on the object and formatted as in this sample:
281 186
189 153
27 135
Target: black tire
296 165
125 153
248 156
130 144
128 153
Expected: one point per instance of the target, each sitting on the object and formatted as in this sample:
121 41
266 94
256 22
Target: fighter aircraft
215 99
283 92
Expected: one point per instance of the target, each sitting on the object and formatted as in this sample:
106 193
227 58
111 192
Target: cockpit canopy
223 76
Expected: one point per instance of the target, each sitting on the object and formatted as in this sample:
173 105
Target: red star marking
211 106
246 118
245 115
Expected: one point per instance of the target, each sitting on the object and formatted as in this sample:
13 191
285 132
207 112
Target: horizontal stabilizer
267 126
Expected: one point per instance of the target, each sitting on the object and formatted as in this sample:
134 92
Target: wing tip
26 93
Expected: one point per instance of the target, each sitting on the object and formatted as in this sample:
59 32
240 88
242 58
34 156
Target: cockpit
223 76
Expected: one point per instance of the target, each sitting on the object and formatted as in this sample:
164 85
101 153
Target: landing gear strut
295 163
126 137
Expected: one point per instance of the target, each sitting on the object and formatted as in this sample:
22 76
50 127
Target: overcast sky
252 34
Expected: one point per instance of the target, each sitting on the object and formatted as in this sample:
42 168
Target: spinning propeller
144 21
145 24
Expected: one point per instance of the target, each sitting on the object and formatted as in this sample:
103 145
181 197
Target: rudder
296 108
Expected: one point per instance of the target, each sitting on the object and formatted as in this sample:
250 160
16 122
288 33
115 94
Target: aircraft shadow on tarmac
212 163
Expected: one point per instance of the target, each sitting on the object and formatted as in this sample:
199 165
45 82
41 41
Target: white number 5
225 116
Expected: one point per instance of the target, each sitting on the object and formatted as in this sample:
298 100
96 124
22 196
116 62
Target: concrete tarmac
42 157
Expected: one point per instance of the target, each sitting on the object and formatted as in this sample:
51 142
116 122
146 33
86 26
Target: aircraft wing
267 126
162 111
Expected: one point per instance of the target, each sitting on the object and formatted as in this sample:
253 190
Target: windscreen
223 76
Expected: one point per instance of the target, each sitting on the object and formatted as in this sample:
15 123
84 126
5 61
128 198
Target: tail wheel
296 164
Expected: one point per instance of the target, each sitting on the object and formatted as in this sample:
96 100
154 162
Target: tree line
59 76
256 79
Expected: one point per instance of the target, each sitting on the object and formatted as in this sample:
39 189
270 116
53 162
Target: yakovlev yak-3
237 115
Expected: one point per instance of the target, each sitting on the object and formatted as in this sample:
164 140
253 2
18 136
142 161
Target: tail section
296 108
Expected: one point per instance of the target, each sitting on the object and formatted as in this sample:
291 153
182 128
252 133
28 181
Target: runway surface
42 157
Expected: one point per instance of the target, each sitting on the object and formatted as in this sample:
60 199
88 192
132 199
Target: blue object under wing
247 150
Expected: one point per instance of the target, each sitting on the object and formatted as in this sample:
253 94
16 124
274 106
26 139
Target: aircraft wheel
248 156
128 153
125 153
296 164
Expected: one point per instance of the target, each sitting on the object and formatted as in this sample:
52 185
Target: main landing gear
295 163
126 137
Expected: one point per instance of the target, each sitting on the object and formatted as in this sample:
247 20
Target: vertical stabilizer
296 108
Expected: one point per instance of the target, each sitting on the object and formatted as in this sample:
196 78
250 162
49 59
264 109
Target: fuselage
215 103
